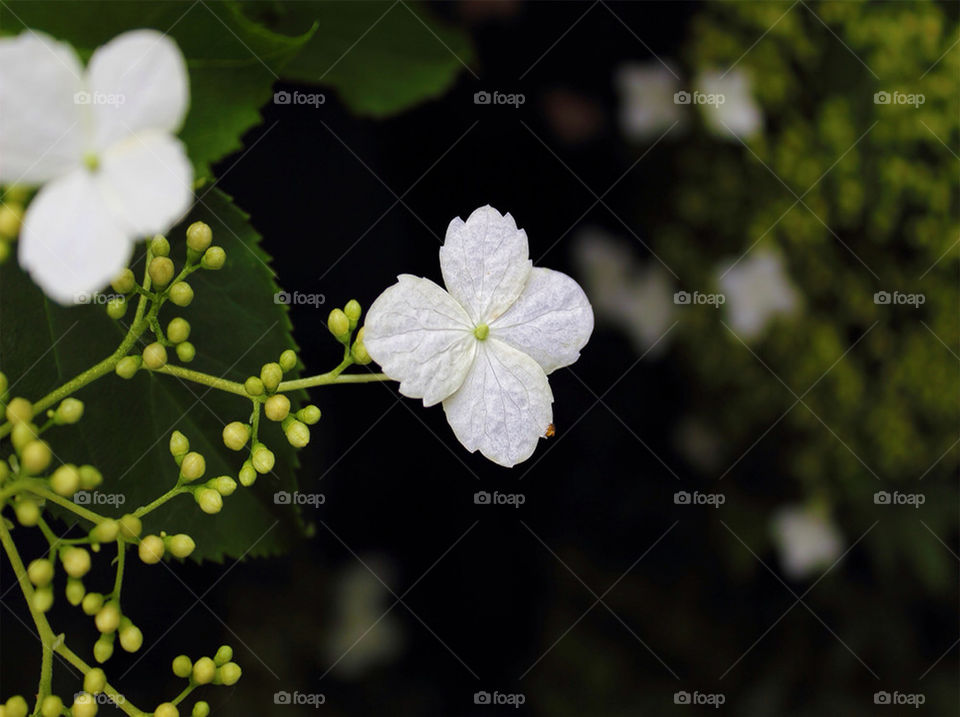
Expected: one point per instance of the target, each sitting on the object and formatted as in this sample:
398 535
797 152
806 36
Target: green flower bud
11 216
223 656
298 435
128 366
43 598
230 674
359 350
154 356
76 561
4 383
16 706
92 602
288 360
248 474
253 386
151 549
178 330
200 709
70 410
180 545
35 457
94 681
339 325
22 434
40 572
353 312
108 617
204 671
103 648
213 258
199 236
271 374
161 271
65 480
84 705
193 466
117 307
182 666
130 526
262 459
209 500
19 410
309 414
159 246
131 638
181 293
124 283
105 532
167 709
276 407
90 477
27 511
75 591
186 351
179 445
236 435
52 706
224 485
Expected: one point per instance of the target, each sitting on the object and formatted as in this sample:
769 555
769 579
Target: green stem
119 700
121 558
206 379
49 495
183 695
331 378
157 502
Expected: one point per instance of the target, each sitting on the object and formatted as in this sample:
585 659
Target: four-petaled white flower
101 140
485 348
738 112
757 289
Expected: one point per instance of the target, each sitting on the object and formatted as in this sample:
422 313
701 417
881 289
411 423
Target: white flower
101 141
647 99
486 347
806 538
738 112
757 289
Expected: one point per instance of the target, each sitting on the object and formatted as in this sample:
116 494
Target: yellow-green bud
155 356
90 477
248 474
253 386
297 433
105 532
186 351
131 638
22 434
236 435
75 591
199 236
204 670
161 271
151 549
94 681
309 414
84 705
213 258
117 307
159 245
35 457
181 293
103 648
223 656
182 666
19 410
353 312
43 598
262 459
130 526
11 216
92 602
128 366
288 360
200 709
16 706
167 709
27 511
271 374
65 480
179 445
76 561
209 500
52 706
70 410
40 572
124 283
193 466
108 617
230 674
359 350
339 324
224 485
178 330
276 407
180 545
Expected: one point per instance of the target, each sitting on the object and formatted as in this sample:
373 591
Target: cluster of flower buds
217 670
209 495
11 216
342 323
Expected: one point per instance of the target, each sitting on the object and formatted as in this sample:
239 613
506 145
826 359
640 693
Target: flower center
91 161
482 331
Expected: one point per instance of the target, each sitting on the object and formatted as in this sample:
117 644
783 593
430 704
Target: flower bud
359 350
209 500
75 591
223 656
154 356
353 312
298 435
94 681
27 512
339 325
167 709
159 246
193 466
91 604
288 360
11 216
16 706
19 410
35 457
182 666
213 258
180 545
236 435
108 617
200 709
179 445
40 572
199 236
43 598
84 705
4 383
117 307
271 374
103 648
151 549
186 351
131 638
105 532
309 414
253 386
181 293
124 283
130 526
178 330
248 474
276 407
70 410
76 561
262 459
90 477
204 671
22 434
128 366
229 674
224 485
65 480
161 271
52 706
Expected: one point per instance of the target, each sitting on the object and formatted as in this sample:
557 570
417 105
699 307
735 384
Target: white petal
485 263
41 122
503 407
421 337
137 81
70 242
550 321
147 181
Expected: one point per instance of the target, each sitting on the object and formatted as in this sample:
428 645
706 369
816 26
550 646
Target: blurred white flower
101 141
757 289
647 107
806 538
637 299
738 112
486 347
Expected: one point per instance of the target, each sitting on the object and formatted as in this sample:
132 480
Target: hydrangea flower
806 538
484 346
647 99
101 142
757 289
739 112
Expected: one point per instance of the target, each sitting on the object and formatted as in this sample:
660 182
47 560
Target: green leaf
236 327
381 57
233 62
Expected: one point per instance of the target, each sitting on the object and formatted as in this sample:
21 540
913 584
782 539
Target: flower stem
157 502
204 378
119 700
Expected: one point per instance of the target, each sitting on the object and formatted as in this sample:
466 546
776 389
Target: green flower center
91 161
482 331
